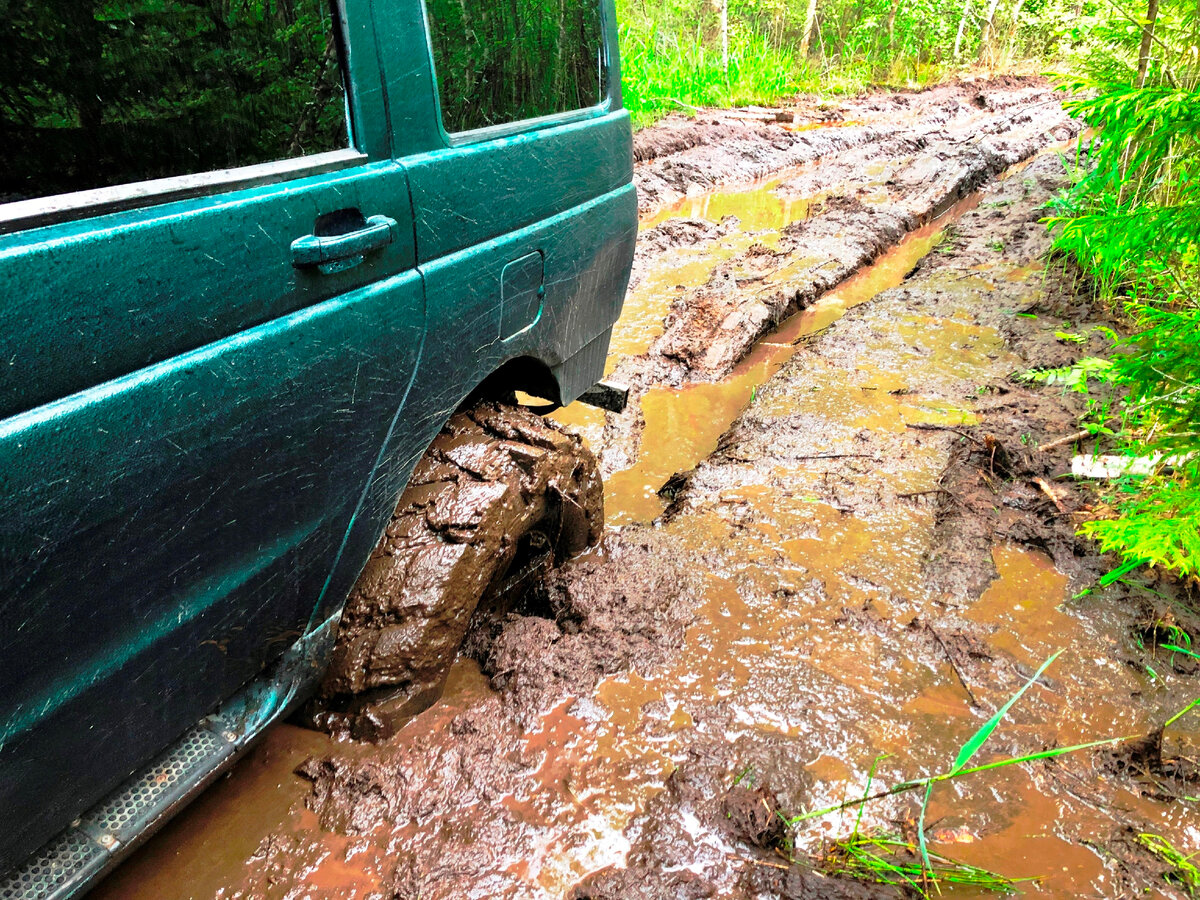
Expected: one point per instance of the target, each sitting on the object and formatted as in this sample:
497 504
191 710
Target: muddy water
683 425
811 634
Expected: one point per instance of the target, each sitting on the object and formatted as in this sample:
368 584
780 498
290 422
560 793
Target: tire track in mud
850 572
868 190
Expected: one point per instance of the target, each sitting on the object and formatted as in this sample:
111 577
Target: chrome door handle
311 250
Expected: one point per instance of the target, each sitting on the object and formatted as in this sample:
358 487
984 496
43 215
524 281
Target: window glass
103 92
500 61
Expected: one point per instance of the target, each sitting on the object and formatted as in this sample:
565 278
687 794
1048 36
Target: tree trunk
962 27
892 24
1012 32
986 37
810 18
1147 38
725 37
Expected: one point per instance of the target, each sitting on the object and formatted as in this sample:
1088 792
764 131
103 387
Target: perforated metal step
125 813
69 862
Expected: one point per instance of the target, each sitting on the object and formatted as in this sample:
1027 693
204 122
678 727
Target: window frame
520 126
53 209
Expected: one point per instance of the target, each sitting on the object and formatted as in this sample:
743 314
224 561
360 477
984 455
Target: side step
82 852
610 395
94 843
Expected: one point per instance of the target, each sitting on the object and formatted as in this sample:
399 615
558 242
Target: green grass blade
1183 712
1030 757
977 740
921 843
1177 649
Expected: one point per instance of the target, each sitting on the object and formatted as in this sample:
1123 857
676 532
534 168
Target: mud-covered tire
492 476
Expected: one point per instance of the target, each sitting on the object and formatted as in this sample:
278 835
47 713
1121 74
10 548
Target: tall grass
672 58
664 71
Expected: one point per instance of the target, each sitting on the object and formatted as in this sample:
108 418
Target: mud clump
497 481
704 836
617 608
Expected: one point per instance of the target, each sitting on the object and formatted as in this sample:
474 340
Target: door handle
311 250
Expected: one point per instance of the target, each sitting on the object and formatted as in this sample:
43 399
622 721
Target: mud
498 487
843 554
847 193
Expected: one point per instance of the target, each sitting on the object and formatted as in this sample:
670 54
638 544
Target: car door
520 163
210 317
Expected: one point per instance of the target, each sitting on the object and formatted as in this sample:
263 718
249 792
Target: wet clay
494 475
867 562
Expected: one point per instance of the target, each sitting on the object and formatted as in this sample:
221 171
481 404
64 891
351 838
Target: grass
665 71
883 858
1182 871
888 859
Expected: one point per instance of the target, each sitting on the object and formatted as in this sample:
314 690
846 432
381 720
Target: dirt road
834 544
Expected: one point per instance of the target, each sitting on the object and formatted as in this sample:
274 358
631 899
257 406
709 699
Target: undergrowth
676 55
1132 223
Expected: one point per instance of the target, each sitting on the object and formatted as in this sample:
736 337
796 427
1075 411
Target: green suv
255 256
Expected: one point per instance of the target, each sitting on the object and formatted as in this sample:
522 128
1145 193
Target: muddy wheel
500 492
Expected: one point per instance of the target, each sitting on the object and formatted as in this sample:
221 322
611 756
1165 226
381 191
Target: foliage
154 88
671 51
662 72
888 859
503 62
1133 224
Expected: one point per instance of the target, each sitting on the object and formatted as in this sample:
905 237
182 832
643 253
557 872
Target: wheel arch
418 421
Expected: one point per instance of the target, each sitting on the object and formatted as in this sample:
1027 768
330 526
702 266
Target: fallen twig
869 456
953 665
1062 441
921 426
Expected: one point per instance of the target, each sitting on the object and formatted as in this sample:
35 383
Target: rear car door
520 162
209 319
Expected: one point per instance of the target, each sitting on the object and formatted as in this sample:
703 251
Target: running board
610 395
94 843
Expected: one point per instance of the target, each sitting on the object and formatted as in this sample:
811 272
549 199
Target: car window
500 62
95 93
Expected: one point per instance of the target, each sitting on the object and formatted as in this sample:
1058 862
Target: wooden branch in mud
913 494
953 665
920 426
1063 441
870 456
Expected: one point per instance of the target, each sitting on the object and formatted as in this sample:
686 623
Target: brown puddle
687 422
758 207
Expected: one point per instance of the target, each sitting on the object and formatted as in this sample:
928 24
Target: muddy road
839 537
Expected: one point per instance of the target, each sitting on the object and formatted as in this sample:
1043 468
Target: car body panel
201 442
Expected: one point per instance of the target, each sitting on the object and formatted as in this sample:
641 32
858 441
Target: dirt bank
861 551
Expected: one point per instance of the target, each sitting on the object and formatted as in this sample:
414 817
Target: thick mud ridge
846 187
846 551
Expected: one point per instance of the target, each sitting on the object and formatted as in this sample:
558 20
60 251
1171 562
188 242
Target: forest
155 88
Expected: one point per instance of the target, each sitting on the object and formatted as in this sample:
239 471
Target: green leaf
971 747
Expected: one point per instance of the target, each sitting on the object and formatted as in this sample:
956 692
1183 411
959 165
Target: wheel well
526 374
